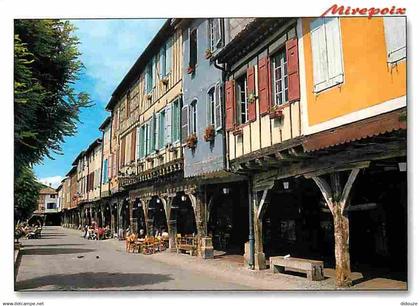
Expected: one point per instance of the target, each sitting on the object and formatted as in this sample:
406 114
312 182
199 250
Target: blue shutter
162 63
152 135
154 71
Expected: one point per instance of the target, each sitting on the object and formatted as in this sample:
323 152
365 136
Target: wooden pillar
171 220
199 211
120 219
102 210
337 199
172 235
134 228
112 213
259 262
198 200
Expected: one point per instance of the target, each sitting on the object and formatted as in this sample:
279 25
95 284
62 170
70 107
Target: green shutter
141 142
162 62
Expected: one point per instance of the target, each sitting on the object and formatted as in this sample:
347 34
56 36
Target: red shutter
250 81
293 69
133 145
230 104
264 93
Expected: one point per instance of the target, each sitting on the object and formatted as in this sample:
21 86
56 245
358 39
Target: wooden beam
360 207
359 165
325 190
347 188
262 203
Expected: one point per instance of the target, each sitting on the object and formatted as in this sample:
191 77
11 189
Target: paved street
62 260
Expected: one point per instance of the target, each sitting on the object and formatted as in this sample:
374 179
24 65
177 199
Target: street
62 260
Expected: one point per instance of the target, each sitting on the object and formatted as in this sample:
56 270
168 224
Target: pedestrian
86 231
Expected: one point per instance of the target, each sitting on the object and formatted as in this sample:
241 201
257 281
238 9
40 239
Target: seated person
101 233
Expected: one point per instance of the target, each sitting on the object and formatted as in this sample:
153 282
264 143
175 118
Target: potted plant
251 97
276 112
208 53
165 80
192 141
149 96
237 131
190 70
209 133
149 159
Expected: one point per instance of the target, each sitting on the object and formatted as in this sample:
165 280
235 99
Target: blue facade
203 96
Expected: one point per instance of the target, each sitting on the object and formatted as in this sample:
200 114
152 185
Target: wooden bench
187 244
314 269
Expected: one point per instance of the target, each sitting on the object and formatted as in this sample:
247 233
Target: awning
381 124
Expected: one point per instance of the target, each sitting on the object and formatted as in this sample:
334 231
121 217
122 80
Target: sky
109 48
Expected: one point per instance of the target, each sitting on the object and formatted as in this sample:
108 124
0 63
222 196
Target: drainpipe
224 74
102 165
251 225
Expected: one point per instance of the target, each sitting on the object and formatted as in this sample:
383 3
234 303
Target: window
241 100
168 56
326 53
193 48
154 133
395 36
162 62
154 63
279 77
193 117
122 112
105 178
214 107
215 33
161 130
52 196
176 108
51 205
144 140
165 59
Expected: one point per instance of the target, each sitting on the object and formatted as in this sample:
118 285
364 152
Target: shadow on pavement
54 251
91 280
51 245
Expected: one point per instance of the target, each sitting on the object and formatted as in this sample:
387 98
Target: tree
46 66
26 193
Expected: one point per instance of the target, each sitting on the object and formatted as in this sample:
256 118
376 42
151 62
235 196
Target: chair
149 245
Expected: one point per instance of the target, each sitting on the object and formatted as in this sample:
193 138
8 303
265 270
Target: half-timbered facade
273 133
300 85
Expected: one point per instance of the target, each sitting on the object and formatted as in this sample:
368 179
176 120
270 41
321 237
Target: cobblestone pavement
62 260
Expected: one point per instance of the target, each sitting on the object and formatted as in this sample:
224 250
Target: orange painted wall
368 79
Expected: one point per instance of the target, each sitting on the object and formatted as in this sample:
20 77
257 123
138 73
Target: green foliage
46 106
26 193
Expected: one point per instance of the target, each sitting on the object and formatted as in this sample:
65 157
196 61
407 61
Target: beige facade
141 105
94 158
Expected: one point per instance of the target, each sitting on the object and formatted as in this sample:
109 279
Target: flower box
209 133
165 80
192 141
208 54
276 113
190 70
237 131
251 98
